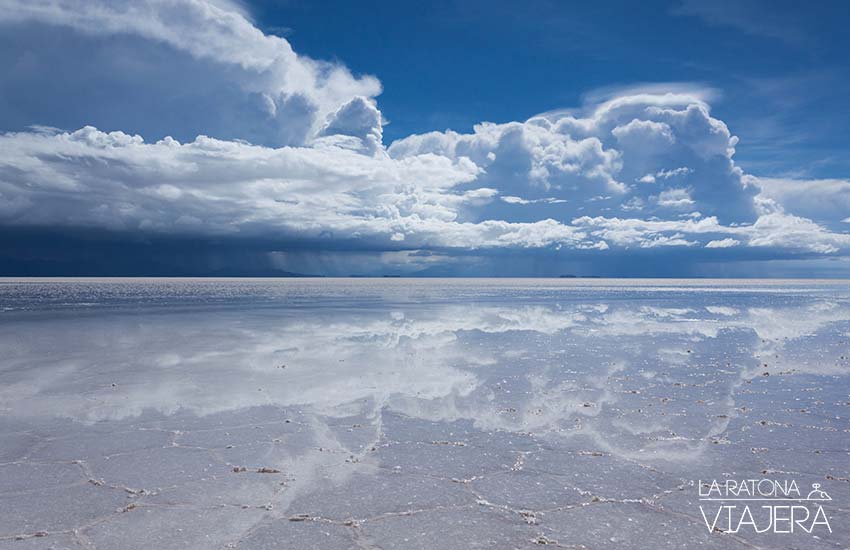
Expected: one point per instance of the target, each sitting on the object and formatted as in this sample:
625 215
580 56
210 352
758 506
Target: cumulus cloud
675 198
333 192
723 243
665 174
519 200
359 119
602 152
290 95
824 200
646 169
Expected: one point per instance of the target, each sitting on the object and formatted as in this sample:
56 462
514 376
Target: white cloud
563 156
524 156
359 119
723 243
117 181
645 133
665 174
676 239
519 200
675 198
95 179
288 86
824 200
586 180
782 230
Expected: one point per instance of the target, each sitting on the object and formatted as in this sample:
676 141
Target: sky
221 137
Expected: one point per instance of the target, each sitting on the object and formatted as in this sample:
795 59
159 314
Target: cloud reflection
637 378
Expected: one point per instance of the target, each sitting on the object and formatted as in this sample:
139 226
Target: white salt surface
408 414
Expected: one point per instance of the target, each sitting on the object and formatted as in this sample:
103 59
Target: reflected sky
665 375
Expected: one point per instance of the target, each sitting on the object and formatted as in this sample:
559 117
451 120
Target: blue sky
677 138
775 65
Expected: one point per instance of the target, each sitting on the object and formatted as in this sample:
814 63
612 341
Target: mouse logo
817 494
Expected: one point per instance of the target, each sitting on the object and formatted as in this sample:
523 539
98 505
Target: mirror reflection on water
385 414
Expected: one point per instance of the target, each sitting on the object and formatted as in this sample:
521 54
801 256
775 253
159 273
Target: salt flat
397 413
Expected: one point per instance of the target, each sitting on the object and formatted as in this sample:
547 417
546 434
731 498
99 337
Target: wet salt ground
414 414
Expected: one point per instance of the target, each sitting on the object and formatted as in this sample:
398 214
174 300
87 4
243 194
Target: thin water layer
387 414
